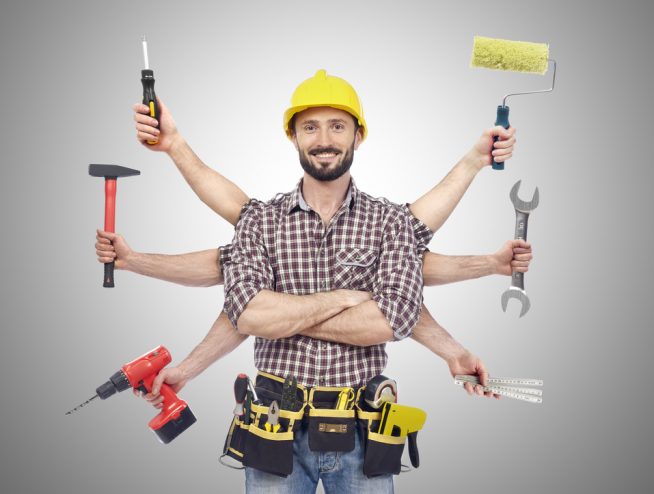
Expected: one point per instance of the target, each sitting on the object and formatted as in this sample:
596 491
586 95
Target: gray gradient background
69 74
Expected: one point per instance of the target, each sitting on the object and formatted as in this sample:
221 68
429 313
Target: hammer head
111 171
518 294
519 204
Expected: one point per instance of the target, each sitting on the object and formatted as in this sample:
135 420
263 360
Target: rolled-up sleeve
247 270
420 230
398 283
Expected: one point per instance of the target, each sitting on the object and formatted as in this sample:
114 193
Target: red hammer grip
109 225
110 173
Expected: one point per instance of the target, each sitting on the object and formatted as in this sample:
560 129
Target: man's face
326 139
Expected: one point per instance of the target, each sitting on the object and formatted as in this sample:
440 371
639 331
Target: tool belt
329 428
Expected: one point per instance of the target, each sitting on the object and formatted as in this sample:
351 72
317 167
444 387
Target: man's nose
324 138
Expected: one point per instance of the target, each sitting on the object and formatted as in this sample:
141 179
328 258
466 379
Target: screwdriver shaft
145 53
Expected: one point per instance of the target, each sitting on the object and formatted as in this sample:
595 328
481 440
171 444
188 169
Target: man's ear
358 137
294 140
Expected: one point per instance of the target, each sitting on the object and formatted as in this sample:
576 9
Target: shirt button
323 285
324 346
321 381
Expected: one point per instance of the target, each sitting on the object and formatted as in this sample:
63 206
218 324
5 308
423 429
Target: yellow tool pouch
331 429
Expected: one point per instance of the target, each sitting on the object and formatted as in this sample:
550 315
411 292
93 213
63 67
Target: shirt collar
296 199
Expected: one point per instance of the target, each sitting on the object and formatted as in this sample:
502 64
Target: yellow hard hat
325 90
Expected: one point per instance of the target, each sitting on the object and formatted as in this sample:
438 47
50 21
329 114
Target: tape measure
511 387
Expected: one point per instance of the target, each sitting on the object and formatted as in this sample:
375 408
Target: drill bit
82 405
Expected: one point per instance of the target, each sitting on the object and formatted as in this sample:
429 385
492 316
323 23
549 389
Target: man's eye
309 128
339 126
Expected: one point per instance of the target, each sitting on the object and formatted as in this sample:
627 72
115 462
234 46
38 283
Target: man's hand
469 364
481 152
165 135
112 247
514 255
173 377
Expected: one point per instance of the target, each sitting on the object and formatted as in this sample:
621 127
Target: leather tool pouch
383 453
330 429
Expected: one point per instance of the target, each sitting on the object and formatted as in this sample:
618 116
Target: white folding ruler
511 387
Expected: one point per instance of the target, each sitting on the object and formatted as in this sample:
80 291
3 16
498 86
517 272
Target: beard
327 174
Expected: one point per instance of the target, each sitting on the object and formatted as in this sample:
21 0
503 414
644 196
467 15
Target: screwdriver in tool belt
147 79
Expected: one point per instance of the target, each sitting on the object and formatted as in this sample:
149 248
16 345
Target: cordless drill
175 416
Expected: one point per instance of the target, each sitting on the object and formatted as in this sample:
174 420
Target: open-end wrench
522 210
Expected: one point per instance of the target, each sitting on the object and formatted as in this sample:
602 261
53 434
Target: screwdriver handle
149 96
240 393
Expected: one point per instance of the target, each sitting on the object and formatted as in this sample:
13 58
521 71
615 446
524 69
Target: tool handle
108 280
503 120
149 96
240 393
109 225
521 224
175 416
413 449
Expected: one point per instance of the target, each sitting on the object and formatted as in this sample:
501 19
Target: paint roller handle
503 120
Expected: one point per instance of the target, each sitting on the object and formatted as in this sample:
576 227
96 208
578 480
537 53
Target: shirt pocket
355 268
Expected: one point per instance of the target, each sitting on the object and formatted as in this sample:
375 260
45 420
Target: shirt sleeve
398 283
225 256
248 270
421 231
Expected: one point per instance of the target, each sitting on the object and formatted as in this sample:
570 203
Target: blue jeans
341 473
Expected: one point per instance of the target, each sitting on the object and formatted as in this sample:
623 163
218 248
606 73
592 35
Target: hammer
110 174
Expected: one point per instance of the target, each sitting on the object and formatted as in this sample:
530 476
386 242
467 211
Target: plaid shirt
283 245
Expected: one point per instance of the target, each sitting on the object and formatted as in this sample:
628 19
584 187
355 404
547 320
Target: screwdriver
147 79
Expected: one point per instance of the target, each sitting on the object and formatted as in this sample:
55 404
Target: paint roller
516 56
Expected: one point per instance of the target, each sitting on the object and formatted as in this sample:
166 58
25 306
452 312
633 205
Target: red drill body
175 416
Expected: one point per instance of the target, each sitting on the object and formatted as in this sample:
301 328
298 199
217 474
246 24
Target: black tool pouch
383 453
329 429
235 441
268 451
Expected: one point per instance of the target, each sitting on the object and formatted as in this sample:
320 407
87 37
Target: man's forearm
220 194
438 269
193 269
274 315
435 338
361 325
434 207
221 339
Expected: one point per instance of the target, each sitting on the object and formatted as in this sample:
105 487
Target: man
327 156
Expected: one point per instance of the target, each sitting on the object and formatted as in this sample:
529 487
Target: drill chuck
117 382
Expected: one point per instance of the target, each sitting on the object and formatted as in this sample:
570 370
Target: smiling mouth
325 155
